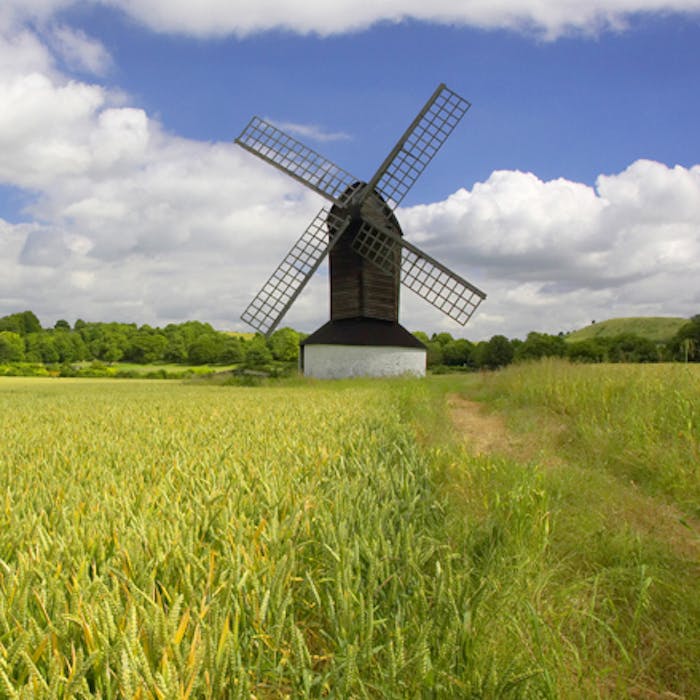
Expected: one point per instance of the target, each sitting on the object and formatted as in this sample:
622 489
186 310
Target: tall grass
642 423
159 540
617 451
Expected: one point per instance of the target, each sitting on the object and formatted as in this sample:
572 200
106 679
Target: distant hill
657 328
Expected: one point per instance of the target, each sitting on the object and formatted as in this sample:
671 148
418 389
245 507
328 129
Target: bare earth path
483 433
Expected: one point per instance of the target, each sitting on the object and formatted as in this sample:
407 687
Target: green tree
284 345
628 347
457 352
11 347
586 351
32 349
442 338
231 350
108 342
69 346
434 355
61 325
479 354
146 346
498 353
21 323
686 343
40 347
538 345
176 348
257 354
191 330
205 349
423 337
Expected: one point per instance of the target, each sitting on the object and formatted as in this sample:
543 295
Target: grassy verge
616 453
639 423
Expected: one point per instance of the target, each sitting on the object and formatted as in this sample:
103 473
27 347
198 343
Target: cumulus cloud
548 18
42 126
80 52
127 220
312 132
164 229
551 254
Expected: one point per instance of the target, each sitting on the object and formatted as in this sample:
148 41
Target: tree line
499 351
22 339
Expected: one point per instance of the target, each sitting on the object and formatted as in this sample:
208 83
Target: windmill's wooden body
368 256
359 288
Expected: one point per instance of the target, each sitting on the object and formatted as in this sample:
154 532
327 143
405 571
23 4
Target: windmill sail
419 144
425 276
273 300
438 285
294 158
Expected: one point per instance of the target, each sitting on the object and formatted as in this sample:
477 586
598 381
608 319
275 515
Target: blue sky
570 108
570 191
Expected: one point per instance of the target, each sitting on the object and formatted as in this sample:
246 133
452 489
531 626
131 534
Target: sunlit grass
164 540
639 422
617 451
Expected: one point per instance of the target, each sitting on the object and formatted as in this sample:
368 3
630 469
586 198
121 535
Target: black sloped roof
363 331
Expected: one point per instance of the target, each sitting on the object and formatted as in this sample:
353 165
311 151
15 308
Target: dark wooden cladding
360 289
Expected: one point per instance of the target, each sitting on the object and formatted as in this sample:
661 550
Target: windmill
368 255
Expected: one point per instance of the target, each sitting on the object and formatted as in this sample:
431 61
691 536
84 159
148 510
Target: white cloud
127 221
192 230
79 51
42 128
312 132
550 18
552 254
21 53
547 18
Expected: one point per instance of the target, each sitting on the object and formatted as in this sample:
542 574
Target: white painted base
341 361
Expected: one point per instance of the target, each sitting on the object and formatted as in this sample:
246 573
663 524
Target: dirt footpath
483 432
486 433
